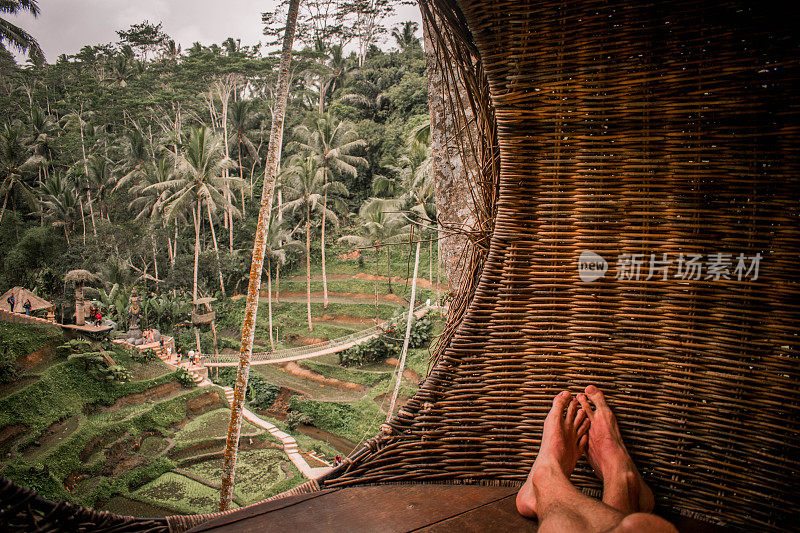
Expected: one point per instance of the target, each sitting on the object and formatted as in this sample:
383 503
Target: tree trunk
269 303
430 261
241 175
324 209
196 216
277 283
86 170
175 244
451 168
3 212
377 274
308 264
83 219
389 267
216 250
401 365
155 259
257 265
80 318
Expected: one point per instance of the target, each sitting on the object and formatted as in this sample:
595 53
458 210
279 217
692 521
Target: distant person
191 357
98 318
27 306
337 460
11 301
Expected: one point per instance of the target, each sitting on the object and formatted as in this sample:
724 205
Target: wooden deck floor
384 508
397 509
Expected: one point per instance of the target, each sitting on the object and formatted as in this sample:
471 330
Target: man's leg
548 494
623 486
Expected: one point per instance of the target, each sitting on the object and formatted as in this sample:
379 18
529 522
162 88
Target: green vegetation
345 374
179 493
142 163
19 340
350 420
210 425
260 392
388 344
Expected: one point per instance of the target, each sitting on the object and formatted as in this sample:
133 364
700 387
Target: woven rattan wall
638 128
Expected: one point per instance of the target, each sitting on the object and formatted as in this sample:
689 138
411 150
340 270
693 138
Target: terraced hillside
149 446
152 446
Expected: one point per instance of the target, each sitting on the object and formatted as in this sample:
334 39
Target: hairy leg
548 493
564 440
623 486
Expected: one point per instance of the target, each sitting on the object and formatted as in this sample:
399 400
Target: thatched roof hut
79 276
21 295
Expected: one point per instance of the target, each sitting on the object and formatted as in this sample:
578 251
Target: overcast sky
65 26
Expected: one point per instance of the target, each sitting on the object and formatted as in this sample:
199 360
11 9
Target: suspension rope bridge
314 350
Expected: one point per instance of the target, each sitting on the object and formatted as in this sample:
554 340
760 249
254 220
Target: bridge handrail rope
311 350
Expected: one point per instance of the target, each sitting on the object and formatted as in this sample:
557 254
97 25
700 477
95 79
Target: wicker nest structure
622 128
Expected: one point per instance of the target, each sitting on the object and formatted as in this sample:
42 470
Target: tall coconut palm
148 203
331 143
102 180
279 243
135 157
198 182
257 265
382 226
243 122
76 119
405 35
15 36
16 166
305 188
59 199
41 135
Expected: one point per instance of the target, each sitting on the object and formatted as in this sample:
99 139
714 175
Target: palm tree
171 51
331 143
18 38
242 122
382 225
134 158
148 203
305 187
198 181
100 172
257 264
15 164
41 134
279 243
60 202
76 119
369 94
406 35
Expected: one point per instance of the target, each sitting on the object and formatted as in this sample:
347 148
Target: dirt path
408 373
297 370
363 276
336 298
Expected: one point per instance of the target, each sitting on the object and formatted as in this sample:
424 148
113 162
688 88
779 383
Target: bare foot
564 440
623 486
